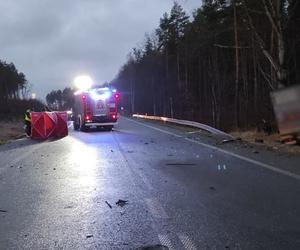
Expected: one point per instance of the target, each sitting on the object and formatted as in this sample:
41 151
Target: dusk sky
53 41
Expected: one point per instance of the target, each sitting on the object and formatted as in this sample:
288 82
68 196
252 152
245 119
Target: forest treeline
14 92
13 84
60 99
218 66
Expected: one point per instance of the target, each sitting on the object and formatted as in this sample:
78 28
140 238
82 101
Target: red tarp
48 124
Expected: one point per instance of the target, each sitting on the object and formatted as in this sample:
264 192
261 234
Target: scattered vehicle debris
108 204
227 141
221 167
121 203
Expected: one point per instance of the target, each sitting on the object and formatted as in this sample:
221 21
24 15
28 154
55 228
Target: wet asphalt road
56 194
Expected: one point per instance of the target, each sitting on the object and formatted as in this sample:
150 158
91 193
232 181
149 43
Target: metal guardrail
185 123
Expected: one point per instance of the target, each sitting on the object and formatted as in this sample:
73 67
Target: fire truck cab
97 107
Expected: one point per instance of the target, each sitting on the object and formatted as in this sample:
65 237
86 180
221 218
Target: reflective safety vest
27 117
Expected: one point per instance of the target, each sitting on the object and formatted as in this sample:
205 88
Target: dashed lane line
255 162
165 241
156 209
186 241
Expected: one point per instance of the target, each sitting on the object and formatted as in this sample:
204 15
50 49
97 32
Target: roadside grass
11 130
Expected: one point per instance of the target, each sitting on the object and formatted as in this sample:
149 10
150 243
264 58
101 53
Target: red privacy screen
48 124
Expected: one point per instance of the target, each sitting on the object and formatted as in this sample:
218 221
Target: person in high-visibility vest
27 121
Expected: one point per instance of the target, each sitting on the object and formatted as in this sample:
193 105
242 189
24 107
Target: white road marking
194 132
21 139
156 209
165 241
255 162
158 129
187 242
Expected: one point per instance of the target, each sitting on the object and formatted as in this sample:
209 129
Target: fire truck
96 107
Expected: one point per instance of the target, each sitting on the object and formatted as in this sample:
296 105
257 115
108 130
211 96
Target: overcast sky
52 41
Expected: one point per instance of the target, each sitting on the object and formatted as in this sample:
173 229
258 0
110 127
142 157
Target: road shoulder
260 155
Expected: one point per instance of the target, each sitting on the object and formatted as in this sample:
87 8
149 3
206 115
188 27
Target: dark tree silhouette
217 67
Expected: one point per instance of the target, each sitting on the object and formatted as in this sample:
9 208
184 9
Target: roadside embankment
11 130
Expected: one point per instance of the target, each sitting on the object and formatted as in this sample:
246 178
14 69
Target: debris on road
3 211
111 151
54 168
212 188
146 143
255 152
121 203
130 151
227 141
89 236
108 204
